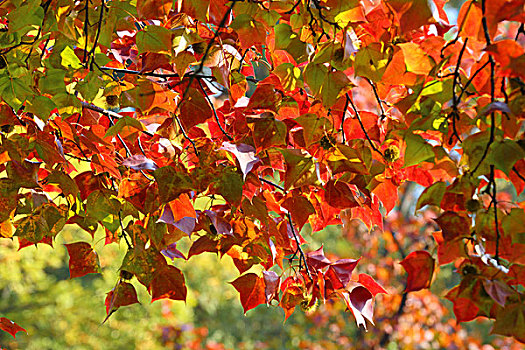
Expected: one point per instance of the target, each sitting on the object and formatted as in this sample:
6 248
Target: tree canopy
233 125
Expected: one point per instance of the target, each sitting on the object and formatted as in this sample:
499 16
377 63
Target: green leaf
15 86
371 62
154 39
90 86
67 104
24 18
41 106
300 168
171 183
287 39
505 154
53 82
230 186
417 151
101 204
289 75
432 195
32 228
70 59
514 225
123 122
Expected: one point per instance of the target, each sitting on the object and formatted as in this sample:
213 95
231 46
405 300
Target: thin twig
492 183
362 126
343 121
109 113
467 84
379 102
492 87
302 256
124 234
214 112
186 135
99 27
272 184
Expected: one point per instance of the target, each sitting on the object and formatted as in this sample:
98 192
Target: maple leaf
360 301
370 284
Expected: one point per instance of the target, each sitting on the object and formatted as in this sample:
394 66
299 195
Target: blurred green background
63 313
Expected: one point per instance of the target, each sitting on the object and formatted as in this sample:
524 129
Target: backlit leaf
420 267
252 290
82 259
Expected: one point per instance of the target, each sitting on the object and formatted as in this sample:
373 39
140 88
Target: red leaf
453 225
292 296
371 284
124 294
251 289
465 309
203 244
300 208
360 302
10 327
420 266
194 109
153 8
339 195
343 269
168 282
82 259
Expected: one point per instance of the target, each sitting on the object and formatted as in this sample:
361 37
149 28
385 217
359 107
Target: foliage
233 127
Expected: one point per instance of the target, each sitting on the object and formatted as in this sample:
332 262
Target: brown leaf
168 282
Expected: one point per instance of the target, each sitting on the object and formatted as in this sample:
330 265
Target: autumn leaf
168 282
82 259
10 327
245 155
370 284
252 290
420 267
122 295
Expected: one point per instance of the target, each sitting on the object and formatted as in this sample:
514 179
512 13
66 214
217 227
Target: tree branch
362 126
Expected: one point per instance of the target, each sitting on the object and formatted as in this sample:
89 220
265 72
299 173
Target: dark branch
214 112
362 126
